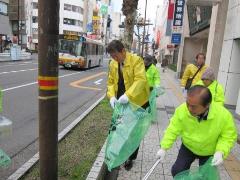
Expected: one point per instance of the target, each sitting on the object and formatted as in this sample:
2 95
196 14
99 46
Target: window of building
35 5
73 22
68 7
75 9
81 10
35 30
3 8
35 19
81 24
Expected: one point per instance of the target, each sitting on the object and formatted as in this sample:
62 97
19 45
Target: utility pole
18 31
144 28
48 13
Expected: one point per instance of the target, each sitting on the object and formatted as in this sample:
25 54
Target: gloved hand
113 101
217 158
161 154
123 99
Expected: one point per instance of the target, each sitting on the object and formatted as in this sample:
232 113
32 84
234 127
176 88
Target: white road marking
32 83
13 64
23 70
98 82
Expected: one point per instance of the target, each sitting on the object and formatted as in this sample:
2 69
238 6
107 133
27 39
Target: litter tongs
151 170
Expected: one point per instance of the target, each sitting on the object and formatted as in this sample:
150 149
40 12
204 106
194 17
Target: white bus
79 52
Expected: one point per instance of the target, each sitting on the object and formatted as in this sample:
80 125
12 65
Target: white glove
113 101
123 99
161 154
217 158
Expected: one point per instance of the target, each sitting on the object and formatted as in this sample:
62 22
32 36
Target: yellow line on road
77 83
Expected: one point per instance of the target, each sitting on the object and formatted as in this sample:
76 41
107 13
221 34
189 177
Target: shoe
128 165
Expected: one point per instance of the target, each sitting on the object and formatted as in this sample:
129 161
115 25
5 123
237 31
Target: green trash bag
153 104
129 125
205 172
160 91
153 101
4 159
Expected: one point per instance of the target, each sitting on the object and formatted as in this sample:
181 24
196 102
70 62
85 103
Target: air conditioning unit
203 2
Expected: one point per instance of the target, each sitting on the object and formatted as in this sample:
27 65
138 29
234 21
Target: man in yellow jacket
216 89
206 129
191 70
126 81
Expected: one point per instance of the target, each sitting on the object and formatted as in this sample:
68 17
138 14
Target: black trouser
134 155
185 159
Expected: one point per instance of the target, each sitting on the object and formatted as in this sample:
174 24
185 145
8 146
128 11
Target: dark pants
185 159
134 155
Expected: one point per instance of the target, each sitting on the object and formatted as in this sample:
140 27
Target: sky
151 8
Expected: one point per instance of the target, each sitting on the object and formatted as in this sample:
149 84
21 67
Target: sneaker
128 165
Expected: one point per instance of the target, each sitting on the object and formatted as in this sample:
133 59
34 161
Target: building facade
213 27
71 14
229 68
5 28
17 15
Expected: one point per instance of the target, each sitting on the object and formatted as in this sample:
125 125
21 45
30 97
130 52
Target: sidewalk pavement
166 105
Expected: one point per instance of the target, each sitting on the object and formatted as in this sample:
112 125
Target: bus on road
79 52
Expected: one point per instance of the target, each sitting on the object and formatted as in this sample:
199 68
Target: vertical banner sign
96 24
170 17
178 13
178 22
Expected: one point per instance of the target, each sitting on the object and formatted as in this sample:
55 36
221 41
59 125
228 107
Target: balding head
198 99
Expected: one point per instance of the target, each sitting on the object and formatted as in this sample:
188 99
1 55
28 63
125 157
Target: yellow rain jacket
216 91
204 138
153 76
137 89
189 72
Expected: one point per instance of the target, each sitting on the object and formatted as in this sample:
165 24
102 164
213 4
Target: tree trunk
129 29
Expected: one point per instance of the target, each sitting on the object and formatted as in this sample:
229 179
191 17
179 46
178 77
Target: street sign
177 29
176 38
104 9
178 13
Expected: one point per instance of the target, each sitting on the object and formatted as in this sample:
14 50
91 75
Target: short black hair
200 54
148 58
204 92
115 46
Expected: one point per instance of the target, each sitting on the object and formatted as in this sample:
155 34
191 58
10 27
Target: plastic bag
153 104
4 159
152 101
205 172
129 125
5 127
160 90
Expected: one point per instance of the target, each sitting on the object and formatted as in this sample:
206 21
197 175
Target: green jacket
216 90
204 138
153 76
